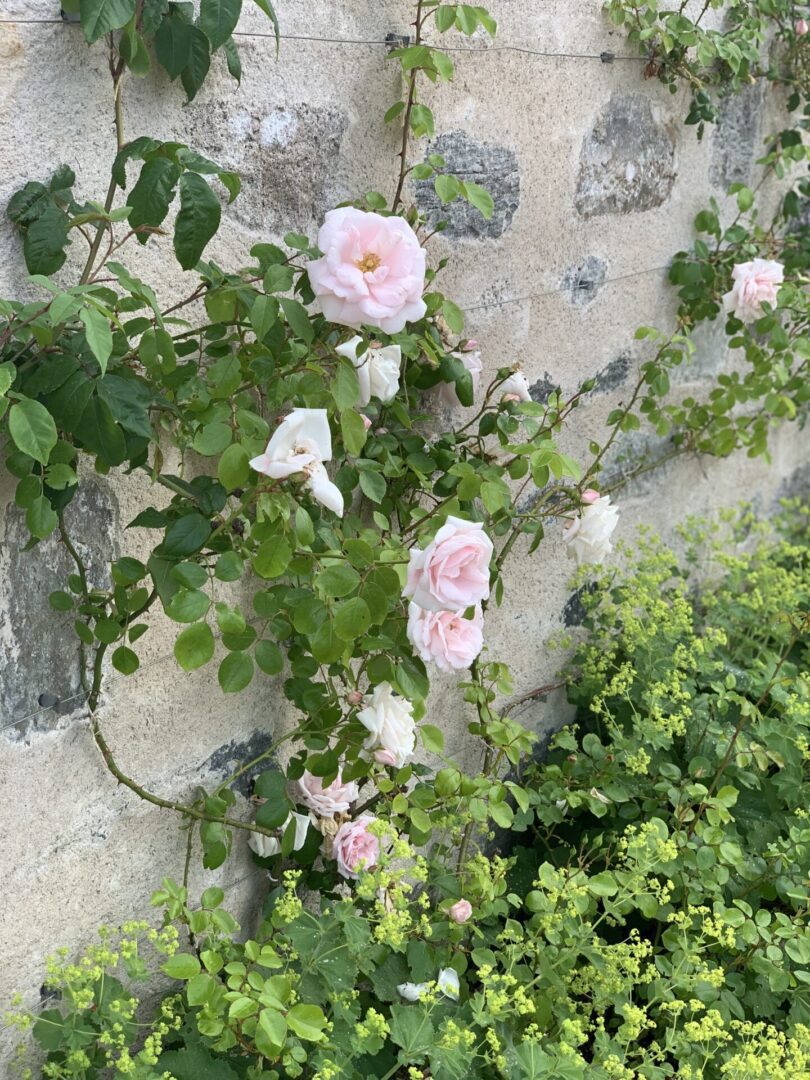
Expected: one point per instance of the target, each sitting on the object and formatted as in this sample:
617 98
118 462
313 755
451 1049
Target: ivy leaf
99 335
218 18
193 74
98 17
32 428
197 221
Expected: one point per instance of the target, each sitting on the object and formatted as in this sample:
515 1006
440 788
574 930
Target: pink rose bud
511 397
460 911
366 422
802 27
354 697
384 757
590 496
469 346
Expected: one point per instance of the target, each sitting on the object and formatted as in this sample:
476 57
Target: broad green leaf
199 61
32 428
352 619
125 660
99 432
272 558
45 240
173 44
353 430
235 672
181 966
307 1021
186 535
194 647
152 194
233 469
218 19
197 221
98 17
99 335
41 518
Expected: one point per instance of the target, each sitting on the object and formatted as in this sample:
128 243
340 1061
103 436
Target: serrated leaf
32 428
98 17
99 335
199 61
218 19
197 220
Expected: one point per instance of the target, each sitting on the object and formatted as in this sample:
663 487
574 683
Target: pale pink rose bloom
327 801
802 27
354 697
587 536
446 638
515 388
460 911
472 362
372 271
590 496
300 444
366 421
452 572
389 720
754 283
355 848
469 346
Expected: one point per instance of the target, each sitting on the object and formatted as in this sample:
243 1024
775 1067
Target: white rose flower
515 388
755 282
377 369
412 991
588 534
300 444
267 846
447 983
389 719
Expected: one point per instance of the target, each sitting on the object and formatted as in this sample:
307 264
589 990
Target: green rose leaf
32 428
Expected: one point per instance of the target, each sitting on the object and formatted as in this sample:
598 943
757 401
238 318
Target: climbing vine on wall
279 409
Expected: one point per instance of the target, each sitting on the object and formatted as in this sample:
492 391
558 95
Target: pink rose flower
472 362
372 271
355 848
452 572
446 638
802 27
327 801
754 283
460 911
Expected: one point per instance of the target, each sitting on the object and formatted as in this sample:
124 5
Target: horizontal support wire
606 57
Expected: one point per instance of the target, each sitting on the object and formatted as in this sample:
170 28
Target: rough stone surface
542 389
236 753
38 649
493 167
736 137
613 375
581 282
627 162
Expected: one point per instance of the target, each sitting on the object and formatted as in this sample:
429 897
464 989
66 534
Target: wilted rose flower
389 719
300 444
377 369
327 801
267 846
588 534
372 270
452 572
755 282
472 362
447 983
446 638
355 848
515 388
460 911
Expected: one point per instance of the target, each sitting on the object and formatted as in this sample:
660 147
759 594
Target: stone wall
596 183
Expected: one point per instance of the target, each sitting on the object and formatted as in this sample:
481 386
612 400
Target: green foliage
648 916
